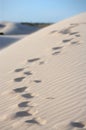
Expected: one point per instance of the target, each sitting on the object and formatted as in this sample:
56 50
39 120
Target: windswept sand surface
43 79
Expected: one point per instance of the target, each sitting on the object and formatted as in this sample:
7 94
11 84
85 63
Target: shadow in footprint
67 40
28 73
33 121
33 60
27 95
19 70
77 124
20 90
22 114
53 31
57 48
37 81
76 42
19 79
56 53
23 104
73 33
65 31
77 35
41 62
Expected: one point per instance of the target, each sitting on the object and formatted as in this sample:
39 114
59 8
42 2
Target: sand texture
43 79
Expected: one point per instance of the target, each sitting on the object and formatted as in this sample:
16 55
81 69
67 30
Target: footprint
50 98
37 81
19 79
23 104
73 33
57 48
56 53
28 73
19 70
33 121
27 95
38 121
20 90
53 31
67 40
78 35
41 62
33 60
21 114
77 124
75 42
75 24
65 31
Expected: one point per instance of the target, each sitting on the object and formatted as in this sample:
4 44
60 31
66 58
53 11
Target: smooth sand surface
43 79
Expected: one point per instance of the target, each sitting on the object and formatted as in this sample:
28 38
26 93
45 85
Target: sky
40 10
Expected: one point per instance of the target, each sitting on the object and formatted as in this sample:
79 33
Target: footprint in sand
75 42
19 79
78 35
27 73
19 70
27 95
56 50
67 40
77 124
33 60
56 53
65 31
74 24
37 81
20 90
23 104
38 121
22 114
73 33
41 62
54 31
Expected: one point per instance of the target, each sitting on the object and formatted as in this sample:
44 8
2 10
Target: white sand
43 79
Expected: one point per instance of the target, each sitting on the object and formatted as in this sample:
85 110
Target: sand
43 79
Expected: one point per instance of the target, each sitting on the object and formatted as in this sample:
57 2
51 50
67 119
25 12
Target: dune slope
43 79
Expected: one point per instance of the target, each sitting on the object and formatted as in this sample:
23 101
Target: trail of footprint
20 90
77 124
19 79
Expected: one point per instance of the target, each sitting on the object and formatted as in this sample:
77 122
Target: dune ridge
43 79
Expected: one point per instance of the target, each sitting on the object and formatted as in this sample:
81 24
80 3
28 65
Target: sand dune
13 32
9 28
43 79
